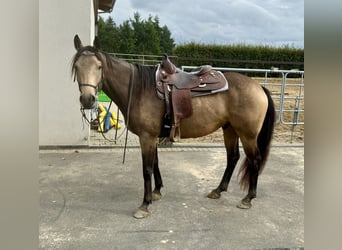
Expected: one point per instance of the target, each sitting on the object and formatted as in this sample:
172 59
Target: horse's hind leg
231 141
156 194
250 172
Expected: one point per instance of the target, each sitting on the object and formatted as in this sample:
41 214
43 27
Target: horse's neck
116 84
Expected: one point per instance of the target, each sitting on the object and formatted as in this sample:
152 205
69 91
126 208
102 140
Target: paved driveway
87 199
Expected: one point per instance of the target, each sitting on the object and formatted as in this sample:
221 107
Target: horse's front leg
158 182
148 151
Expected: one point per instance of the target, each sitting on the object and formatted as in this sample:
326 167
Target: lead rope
130 89
116 125
117 122
84 117
128 109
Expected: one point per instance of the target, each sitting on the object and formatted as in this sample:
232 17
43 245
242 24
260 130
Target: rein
84 117
130 94
130 89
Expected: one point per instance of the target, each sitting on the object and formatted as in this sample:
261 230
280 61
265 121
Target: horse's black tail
266 133
264 141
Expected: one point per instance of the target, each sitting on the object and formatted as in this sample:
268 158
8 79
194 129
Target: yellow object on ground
114 120
102 115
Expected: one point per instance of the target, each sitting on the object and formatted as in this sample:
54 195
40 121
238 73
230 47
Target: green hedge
239 56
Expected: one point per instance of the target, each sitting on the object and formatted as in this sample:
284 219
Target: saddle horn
167 65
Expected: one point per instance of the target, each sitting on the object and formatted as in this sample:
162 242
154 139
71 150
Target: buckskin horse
244 110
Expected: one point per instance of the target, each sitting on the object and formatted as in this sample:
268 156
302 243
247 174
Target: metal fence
138 58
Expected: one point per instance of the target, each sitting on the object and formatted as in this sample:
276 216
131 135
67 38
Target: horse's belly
205 119
197 130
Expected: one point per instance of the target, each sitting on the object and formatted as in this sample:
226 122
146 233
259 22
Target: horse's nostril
93 99
82 99
87 101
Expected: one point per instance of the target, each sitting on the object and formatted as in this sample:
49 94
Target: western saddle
177 87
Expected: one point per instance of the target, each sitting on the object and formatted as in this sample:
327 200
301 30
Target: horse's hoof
141 213
156 196
214 195
244 205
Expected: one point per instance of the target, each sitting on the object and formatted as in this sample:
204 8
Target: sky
252 22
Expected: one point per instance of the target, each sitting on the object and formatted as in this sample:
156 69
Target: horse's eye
100 67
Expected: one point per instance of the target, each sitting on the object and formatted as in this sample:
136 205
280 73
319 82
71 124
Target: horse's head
87 68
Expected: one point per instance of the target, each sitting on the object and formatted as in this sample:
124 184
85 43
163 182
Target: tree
166 42
136 36
126 39
151 37
108 34
139 34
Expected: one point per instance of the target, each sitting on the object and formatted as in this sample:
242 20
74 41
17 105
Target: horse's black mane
146 73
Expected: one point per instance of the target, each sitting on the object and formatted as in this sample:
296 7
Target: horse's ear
77 42
96 43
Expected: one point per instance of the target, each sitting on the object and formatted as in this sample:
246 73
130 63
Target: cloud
266 22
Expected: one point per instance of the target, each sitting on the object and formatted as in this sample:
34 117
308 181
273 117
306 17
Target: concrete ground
87 198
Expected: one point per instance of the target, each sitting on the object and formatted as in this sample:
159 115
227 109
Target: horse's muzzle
87 101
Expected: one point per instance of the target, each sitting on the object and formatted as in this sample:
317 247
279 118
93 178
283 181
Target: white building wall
59 109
